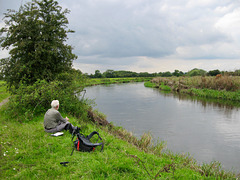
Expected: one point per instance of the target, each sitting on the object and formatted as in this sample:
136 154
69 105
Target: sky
150 35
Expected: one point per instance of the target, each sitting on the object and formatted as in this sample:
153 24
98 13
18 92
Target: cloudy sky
151 35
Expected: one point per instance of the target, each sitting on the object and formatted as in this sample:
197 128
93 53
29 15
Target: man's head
55 104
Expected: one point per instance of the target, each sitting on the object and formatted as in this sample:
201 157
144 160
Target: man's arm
60 118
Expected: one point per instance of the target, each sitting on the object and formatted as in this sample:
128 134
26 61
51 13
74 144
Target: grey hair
55 103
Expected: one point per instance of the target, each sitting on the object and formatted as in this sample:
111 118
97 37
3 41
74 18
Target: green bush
34 99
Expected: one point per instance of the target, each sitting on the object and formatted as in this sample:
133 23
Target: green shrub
34 99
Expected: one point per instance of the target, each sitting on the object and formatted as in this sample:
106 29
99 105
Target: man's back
52 118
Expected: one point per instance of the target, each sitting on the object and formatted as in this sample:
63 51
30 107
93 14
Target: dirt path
3 102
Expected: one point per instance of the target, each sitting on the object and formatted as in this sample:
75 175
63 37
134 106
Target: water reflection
226 107
207 129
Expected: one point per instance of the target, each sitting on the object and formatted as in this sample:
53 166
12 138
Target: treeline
177 73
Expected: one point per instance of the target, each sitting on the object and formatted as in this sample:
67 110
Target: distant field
98 81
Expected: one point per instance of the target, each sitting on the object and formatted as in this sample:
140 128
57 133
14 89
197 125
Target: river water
208 131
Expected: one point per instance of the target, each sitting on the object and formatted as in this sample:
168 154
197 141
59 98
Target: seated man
54 122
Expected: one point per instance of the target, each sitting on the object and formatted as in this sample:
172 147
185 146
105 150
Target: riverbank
37 155
223 87
99 81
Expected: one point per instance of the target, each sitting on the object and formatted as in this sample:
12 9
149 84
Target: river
208 131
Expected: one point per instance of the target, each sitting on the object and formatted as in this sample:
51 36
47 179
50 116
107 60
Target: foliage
3 91
214 72
97 74
166 74
223 87
35 36
196 72
30 100
228 83
177 73
208 93
120 74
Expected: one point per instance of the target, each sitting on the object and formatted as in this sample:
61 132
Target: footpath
4 101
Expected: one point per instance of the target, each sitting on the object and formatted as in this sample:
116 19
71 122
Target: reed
228 83
223 87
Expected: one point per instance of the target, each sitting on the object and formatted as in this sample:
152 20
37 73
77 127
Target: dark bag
84 144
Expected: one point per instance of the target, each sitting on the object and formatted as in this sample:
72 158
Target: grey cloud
119 32
144 28
122 32
123 61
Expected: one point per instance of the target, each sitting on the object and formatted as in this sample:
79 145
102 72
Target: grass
27 152
225 87
3 93
98 81
228 83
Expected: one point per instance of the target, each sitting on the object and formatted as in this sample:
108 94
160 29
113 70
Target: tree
109 73
36 36
97 74
214 72
167 74
196 72
177 73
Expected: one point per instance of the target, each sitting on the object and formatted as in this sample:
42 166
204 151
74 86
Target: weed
224 87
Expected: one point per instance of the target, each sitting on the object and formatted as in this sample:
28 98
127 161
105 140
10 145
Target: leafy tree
167 74
97 74
109 73
196 72
214 72
237 72
177 73
36 36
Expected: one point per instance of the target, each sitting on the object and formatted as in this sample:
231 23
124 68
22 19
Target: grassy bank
225 87
27 152
98 81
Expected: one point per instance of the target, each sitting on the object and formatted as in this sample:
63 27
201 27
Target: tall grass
224 87
228 83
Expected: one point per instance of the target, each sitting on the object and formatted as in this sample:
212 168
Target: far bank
221 87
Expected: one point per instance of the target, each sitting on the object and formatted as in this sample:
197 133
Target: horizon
185 72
